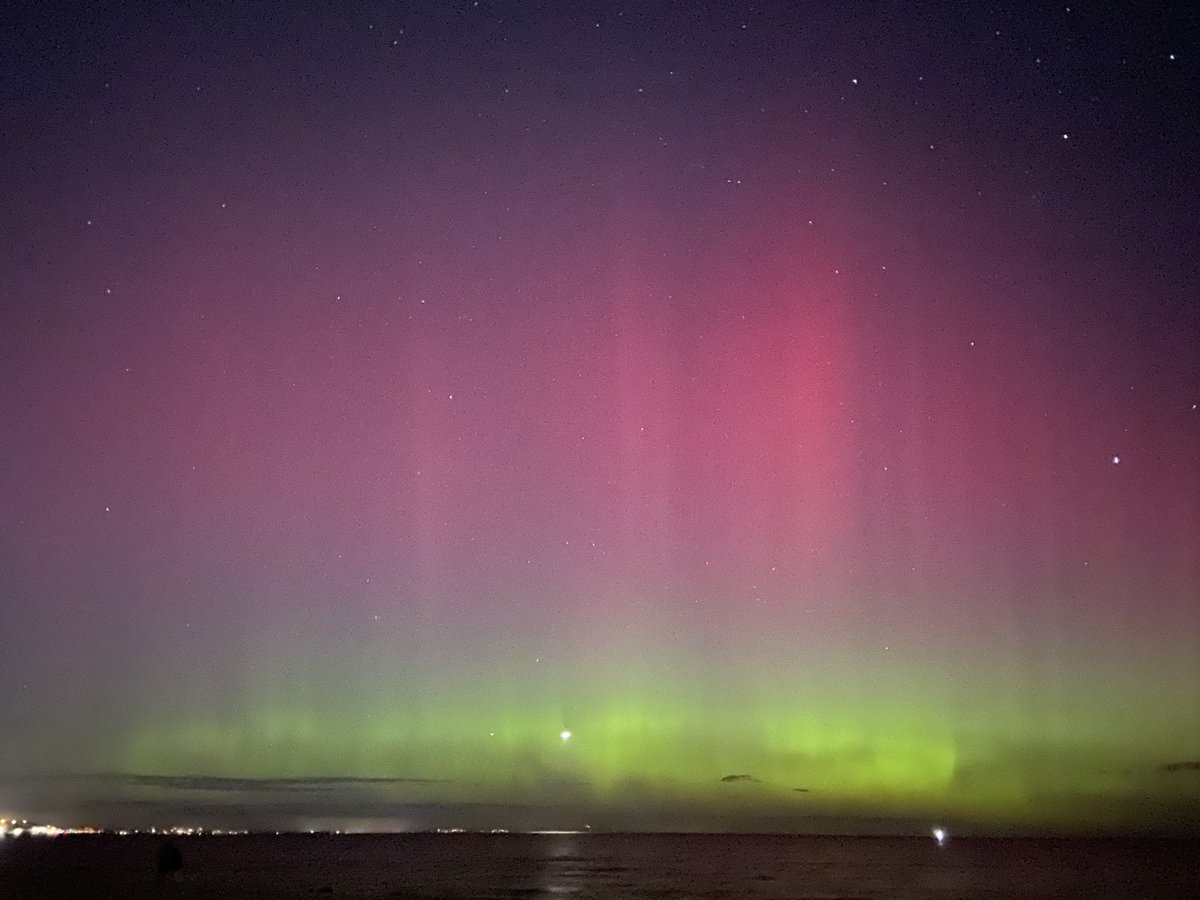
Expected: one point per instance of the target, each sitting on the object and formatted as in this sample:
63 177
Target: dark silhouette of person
170 860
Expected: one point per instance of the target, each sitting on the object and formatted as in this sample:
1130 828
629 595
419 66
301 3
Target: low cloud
733 779
210 783
1190 765
225 784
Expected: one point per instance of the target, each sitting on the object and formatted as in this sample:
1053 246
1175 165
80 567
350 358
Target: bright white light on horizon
939 835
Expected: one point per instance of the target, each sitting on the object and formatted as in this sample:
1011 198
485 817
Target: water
600 867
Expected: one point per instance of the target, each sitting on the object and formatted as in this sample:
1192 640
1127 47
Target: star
1116 459
565 736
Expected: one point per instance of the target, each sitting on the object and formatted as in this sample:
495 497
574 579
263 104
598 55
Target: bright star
565 735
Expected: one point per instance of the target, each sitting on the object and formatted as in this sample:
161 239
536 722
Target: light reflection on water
562 874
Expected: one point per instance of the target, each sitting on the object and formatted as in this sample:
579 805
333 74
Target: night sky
646 415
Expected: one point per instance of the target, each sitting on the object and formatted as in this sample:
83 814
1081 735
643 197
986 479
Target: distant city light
14 827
